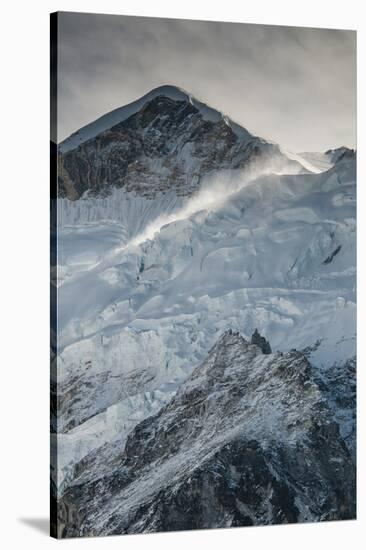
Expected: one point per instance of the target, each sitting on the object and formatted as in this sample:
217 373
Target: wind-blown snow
142 298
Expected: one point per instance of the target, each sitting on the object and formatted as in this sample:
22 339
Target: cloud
296 86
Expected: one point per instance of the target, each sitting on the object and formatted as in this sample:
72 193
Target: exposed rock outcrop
261 342
247 440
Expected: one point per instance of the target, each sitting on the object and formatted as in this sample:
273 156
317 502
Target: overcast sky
292 85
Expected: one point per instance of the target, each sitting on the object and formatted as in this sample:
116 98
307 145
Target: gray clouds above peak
296 86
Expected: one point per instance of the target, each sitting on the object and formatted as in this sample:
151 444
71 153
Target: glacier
147 285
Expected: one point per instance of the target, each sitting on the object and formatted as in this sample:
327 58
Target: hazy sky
292 85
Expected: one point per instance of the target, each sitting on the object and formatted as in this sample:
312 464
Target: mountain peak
168 90
120 114
166 140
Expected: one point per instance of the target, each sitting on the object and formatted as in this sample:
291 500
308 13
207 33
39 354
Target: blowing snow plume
213 193
216 189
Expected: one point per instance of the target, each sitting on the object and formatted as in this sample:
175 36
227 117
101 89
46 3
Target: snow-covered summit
165 141
122 113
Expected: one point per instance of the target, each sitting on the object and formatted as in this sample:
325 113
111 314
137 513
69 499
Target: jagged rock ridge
247 440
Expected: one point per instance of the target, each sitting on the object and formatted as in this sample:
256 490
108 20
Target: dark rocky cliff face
247 440
168 144
261 342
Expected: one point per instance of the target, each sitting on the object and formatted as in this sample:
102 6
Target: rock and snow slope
247 440
165 141
175 225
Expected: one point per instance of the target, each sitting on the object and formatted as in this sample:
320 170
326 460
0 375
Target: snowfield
146 287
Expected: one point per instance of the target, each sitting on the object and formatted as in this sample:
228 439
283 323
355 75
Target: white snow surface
321 161
145 290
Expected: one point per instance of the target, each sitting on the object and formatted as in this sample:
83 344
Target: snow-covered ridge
236 405
122 113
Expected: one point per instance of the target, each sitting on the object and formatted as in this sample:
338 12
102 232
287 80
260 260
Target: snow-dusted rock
247 440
